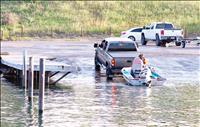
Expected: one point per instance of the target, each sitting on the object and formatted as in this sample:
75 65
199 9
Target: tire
158 42
109 74
97 66
183 44
133 38
177 43
163 43
143 42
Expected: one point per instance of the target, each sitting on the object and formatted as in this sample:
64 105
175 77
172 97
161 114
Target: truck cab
114 54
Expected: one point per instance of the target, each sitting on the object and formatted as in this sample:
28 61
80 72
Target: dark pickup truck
113 54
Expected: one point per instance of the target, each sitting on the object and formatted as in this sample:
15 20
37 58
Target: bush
9 19
72 17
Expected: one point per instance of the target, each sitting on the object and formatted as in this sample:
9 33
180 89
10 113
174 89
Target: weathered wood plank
17 63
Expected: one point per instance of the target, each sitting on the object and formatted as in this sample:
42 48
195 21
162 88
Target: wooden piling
47 78
17 77
24 72
30 79
20 78
36 79
41 85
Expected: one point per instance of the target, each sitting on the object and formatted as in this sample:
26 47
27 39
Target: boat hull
155 79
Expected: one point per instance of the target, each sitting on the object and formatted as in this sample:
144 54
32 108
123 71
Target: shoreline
74 38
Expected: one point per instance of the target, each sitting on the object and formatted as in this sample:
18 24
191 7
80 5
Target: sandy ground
174 63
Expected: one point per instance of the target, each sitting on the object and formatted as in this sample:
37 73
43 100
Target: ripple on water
91 103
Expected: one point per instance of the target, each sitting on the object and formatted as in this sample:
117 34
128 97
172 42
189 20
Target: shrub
9 19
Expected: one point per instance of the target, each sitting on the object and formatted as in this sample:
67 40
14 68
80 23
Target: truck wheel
163 43
183 44
132 38
177 43
109 74
143 42
97 66
157 40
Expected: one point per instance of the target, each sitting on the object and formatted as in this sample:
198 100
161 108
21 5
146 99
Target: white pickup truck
160 32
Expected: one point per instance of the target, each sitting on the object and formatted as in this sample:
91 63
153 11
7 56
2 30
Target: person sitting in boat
137 65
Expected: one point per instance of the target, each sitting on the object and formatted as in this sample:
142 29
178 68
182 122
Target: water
87 99
96 102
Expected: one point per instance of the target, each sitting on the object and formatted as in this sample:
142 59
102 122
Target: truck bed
122 54
172 32
123 59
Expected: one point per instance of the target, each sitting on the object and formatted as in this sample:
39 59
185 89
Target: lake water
87 99
98 103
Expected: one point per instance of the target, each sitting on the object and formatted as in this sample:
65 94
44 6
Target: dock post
24 72
41 85
47 78
30 79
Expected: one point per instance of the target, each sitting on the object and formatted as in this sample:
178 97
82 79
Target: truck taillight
123 32
113 62
162 32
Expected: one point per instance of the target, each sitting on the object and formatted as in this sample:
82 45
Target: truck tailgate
123 53
123 62
173 32
123 59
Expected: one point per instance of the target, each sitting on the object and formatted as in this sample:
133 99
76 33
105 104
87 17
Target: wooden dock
13 64
17 63
35 71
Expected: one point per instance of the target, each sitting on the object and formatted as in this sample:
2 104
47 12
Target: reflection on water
97 102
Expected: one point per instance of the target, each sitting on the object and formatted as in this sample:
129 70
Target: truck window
137 30
102 44
164 26
122 46
148 26
105 45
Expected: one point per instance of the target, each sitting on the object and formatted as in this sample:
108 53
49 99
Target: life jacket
145 61
137 64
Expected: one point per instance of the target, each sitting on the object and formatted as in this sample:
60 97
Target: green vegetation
69 18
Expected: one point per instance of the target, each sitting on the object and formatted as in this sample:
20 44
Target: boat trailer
183 41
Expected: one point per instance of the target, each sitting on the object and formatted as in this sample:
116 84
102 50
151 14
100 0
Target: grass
47 18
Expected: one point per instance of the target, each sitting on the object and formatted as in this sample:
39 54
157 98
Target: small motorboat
143 78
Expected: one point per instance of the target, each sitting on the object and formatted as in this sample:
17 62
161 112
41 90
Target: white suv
133 33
